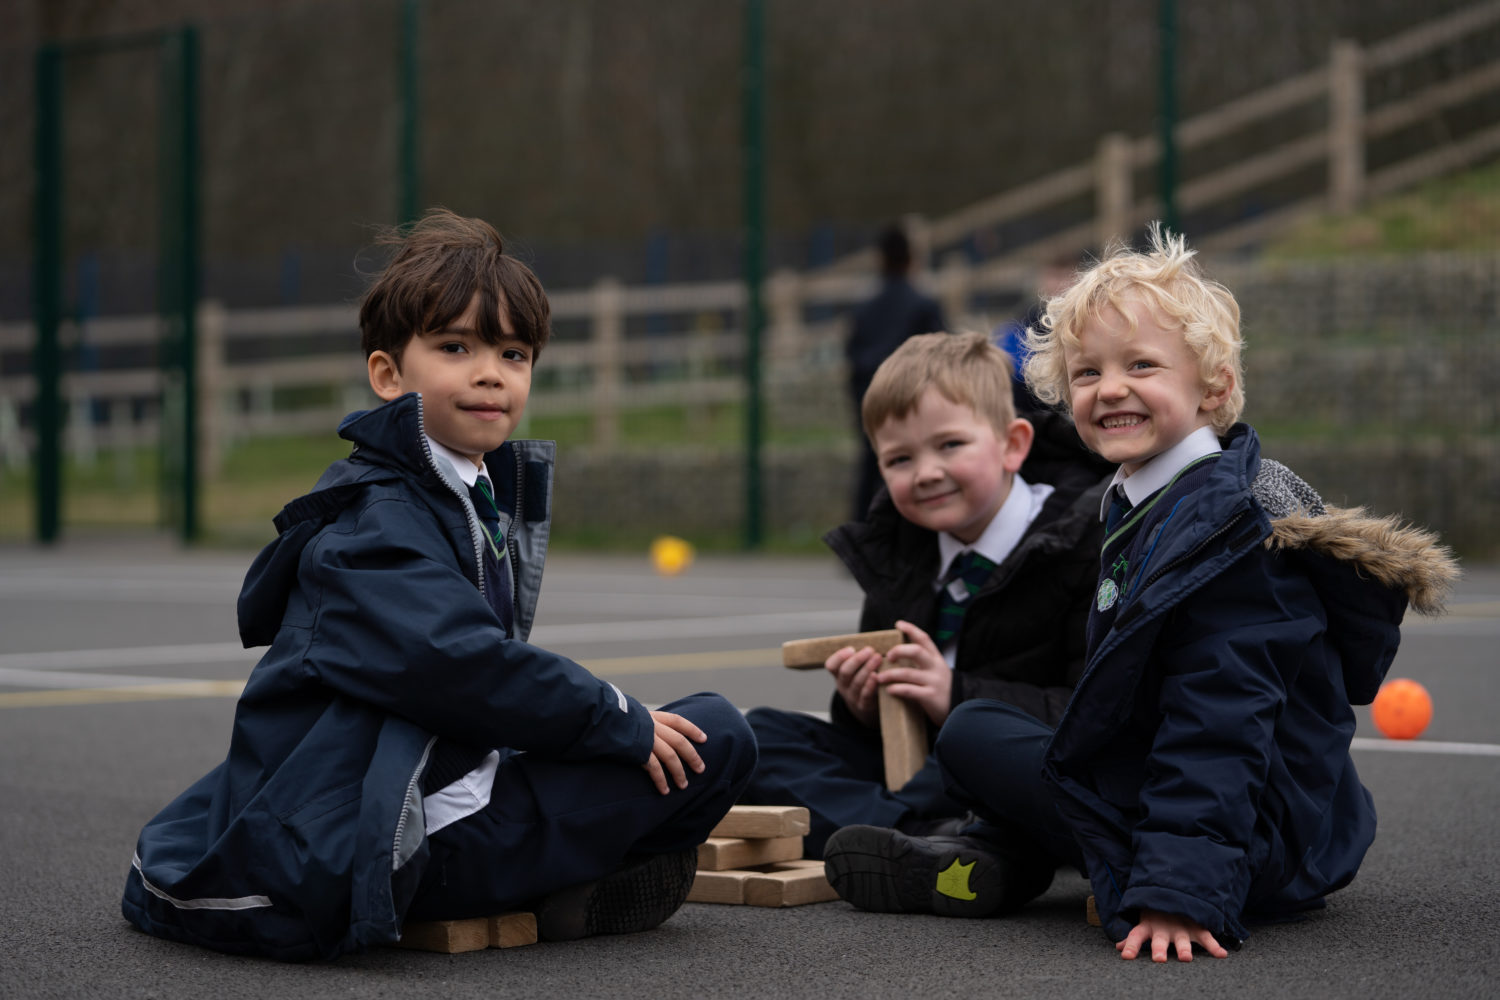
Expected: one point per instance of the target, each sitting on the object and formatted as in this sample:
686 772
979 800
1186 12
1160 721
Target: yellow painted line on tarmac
103 696
610 667
727 659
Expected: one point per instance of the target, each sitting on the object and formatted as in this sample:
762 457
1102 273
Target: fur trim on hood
1394 554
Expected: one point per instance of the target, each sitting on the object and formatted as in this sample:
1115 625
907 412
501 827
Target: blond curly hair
1168 279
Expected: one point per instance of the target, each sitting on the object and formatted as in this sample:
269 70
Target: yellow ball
671 555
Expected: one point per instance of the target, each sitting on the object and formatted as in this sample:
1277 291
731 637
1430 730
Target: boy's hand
853 673
926 679
1165 931
673 748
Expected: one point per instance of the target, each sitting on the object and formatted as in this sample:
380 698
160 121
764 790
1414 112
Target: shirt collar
1158 471
466 469
1005 529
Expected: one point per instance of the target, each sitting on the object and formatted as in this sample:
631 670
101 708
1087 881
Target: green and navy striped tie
971 568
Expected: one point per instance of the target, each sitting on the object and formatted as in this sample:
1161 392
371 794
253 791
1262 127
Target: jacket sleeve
397 625
1224 661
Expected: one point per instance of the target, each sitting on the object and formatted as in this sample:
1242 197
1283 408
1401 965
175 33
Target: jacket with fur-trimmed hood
1203 763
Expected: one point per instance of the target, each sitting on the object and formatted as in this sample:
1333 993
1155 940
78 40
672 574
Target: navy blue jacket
1203 763
309 839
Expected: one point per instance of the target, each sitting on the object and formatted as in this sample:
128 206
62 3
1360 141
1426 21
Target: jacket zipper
1195 550
512 547
475 529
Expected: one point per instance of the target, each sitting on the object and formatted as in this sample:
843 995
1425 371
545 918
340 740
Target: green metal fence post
187 304
46 362
753 100
180 278
1167 33
408 154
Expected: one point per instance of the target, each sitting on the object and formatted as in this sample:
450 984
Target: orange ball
1402 709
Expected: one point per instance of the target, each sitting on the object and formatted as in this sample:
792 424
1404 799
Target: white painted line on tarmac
1427 746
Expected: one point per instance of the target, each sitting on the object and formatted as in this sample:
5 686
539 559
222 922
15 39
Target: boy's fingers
654 772
670 759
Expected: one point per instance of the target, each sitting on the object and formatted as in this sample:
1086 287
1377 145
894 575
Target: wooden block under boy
452 937
903 725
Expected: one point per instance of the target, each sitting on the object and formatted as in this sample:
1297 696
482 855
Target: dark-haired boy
401 752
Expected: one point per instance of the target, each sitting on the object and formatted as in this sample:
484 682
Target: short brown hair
966 368
439 264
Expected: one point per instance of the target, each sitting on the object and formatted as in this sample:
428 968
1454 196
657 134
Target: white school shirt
1159 470
1000 538
471 793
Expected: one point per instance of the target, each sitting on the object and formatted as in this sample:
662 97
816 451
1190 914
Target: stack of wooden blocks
754 857
508 930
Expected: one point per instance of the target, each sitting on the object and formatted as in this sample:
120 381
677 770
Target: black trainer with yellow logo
886 871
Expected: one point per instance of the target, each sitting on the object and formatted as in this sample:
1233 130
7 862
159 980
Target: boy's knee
731 746
963 727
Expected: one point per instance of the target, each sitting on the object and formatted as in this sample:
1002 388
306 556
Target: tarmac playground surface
119 662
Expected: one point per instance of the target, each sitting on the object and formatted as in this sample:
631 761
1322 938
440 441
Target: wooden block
764 821
512 930
797 863
718 887
903 738
447 936
790 887
1091 913
807 654
719 854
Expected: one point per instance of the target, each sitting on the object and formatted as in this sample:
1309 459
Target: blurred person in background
881 325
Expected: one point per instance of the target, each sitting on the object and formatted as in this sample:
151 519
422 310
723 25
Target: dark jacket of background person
881 325
309 840
1203 764
1022 640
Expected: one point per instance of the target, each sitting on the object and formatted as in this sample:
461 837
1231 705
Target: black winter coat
1023 637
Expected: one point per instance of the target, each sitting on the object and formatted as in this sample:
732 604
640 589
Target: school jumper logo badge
1109 593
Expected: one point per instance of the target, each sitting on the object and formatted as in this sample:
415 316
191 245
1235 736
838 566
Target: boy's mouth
1115 421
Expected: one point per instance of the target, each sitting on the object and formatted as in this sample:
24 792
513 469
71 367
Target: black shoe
943 826
887 871
637 897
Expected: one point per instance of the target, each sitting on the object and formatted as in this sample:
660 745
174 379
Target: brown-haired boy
401 752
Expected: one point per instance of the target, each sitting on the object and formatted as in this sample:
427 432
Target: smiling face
946 467
473 393
1136 392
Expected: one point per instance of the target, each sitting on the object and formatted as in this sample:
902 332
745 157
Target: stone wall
1378 382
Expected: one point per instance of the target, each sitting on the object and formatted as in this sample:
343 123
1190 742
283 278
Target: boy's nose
487 368
1112 386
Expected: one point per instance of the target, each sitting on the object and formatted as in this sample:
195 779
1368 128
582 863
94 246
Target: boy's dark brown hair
439 264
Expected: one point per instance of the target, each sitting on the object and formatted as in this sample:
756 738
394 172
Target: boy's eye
1141 365
891 461
452 347
1083 373
516 354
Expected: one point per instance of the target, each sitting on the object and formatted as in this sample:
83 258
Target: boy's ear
385 375
1215 396
1018 437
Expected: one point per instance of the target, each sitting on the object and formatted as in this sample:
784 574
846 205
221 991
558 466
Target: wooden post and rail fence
606 360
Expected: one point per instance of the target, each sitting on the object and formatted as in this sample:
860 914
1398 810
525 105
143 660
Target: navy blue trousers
991 758
838 773
550 824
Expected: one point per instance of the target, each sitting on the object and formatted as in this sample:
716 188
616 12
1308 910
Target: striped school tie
971 568
497 579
